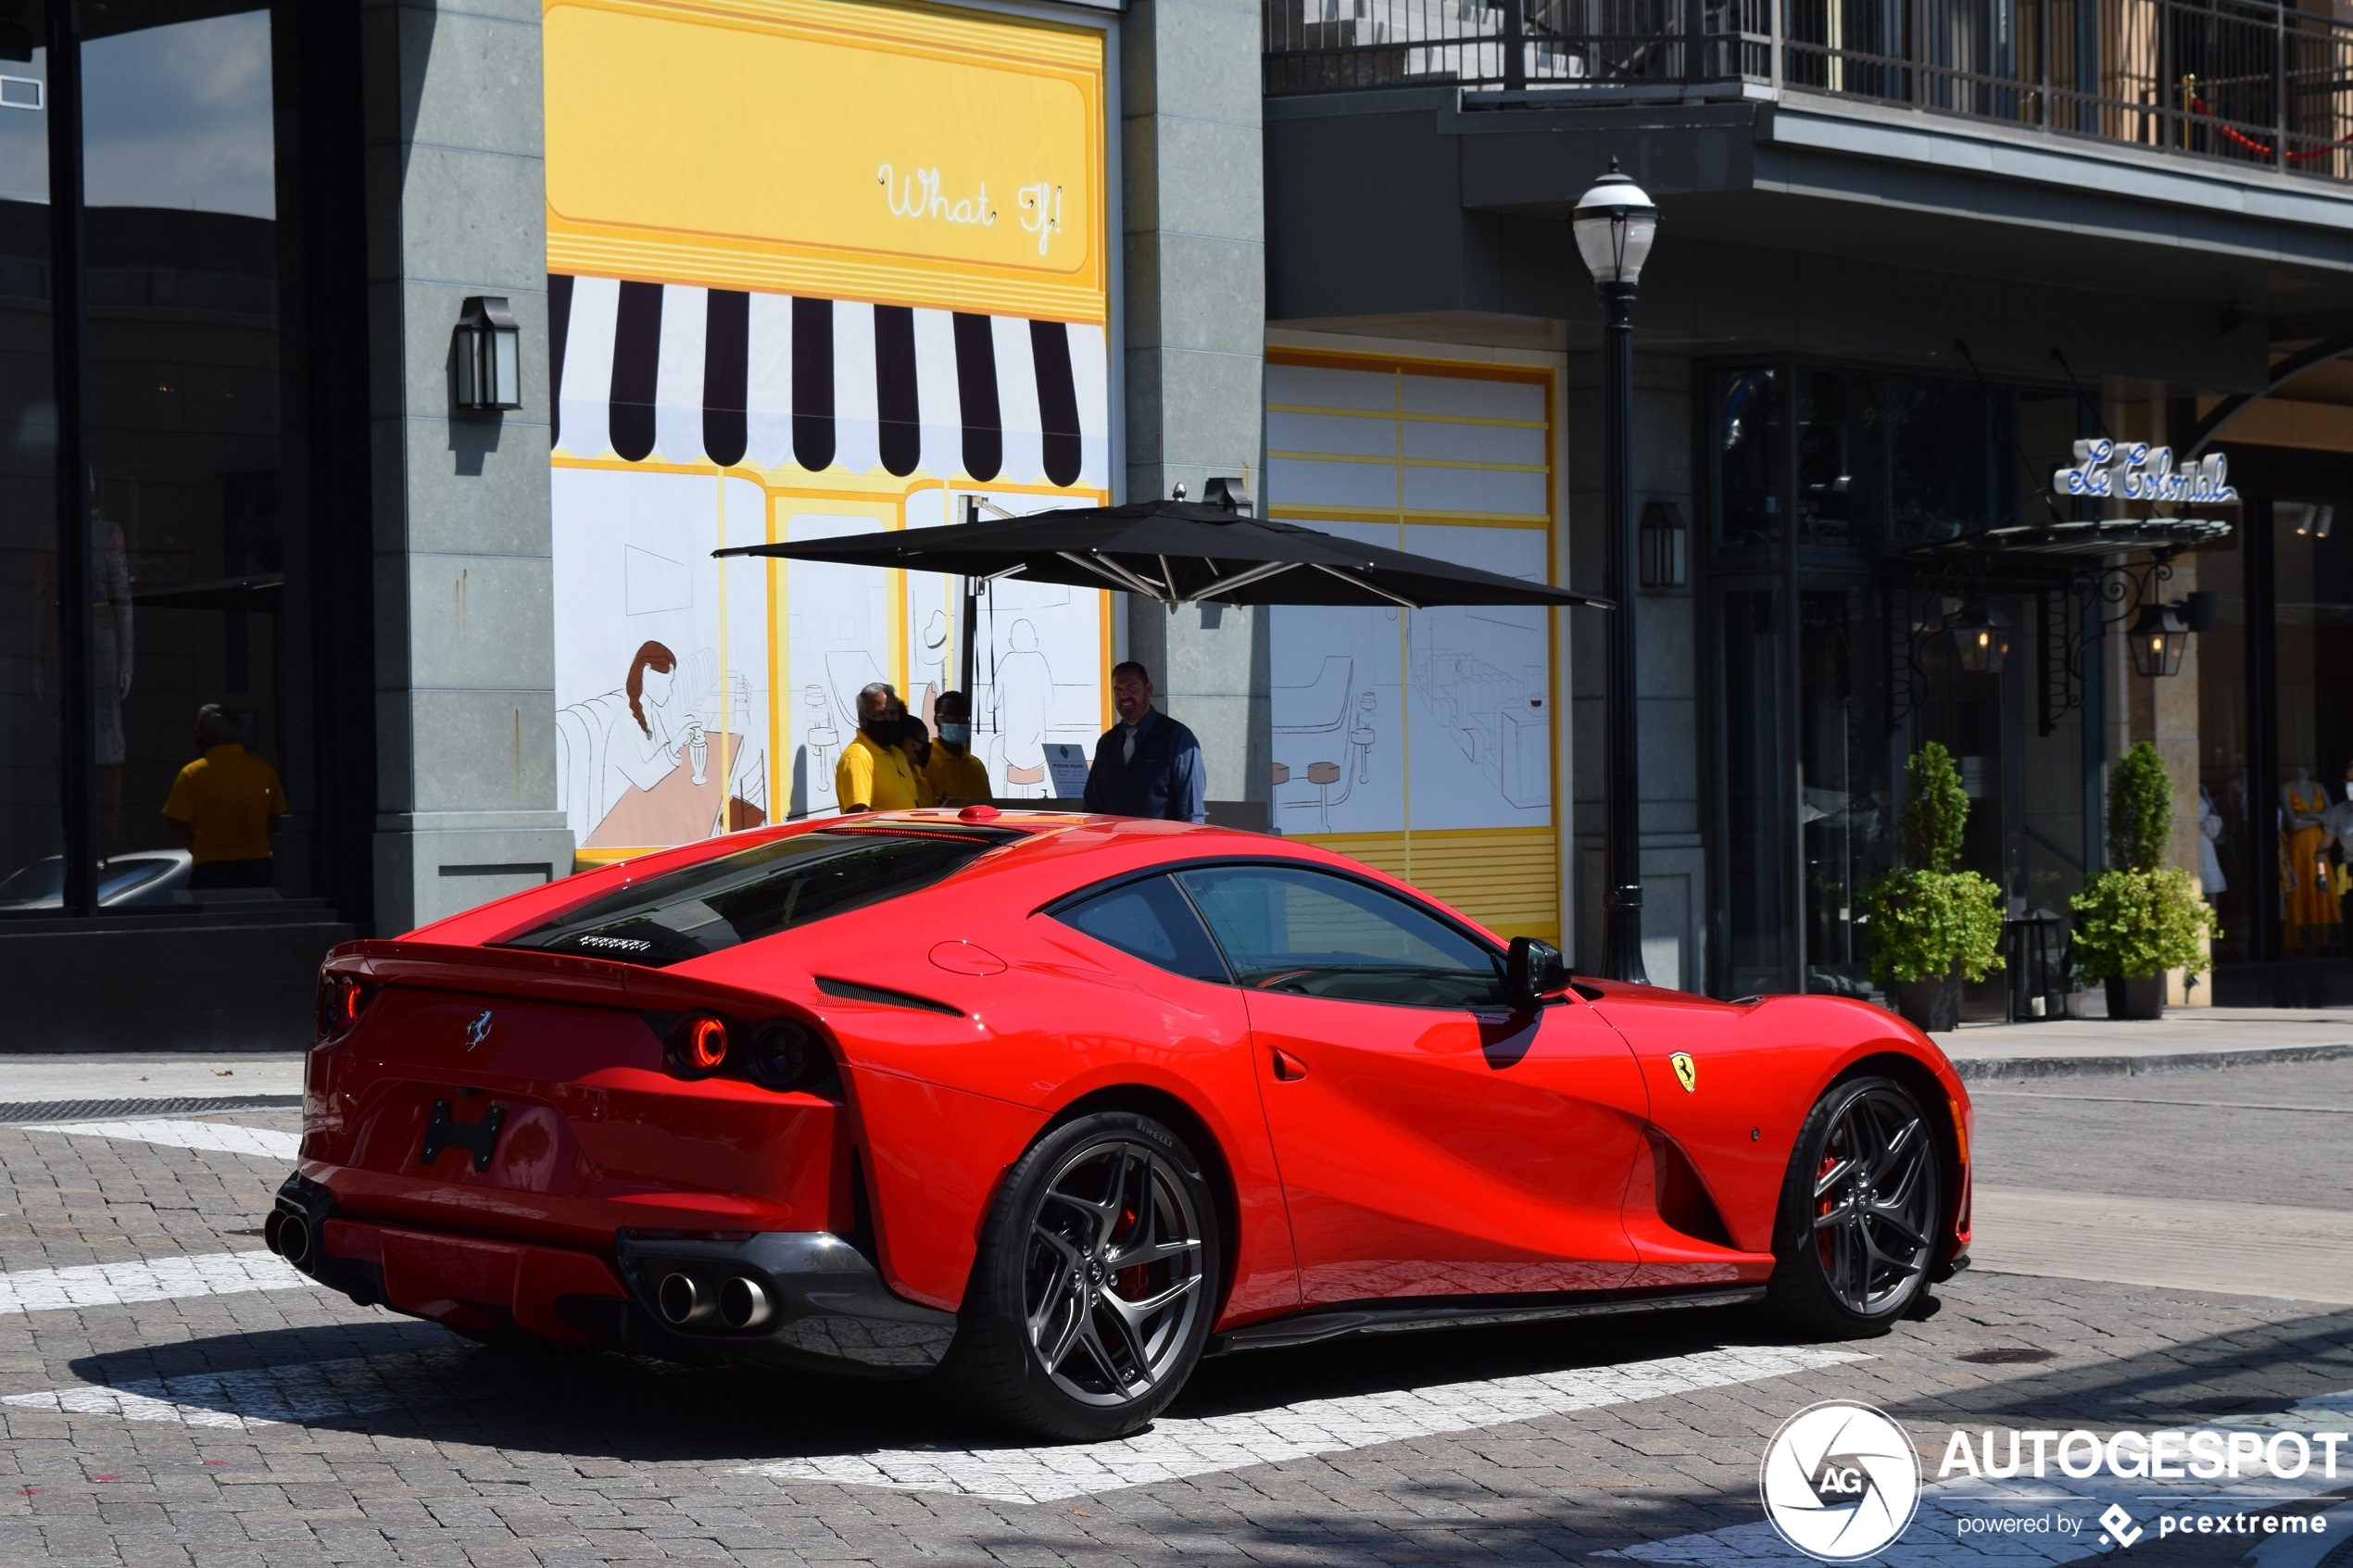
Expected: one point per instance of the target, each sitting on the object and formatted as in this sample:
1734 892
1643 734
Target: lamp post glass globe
1614 223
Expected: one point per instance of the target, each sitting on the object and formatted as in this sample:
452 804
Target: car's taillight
341 999
785 1055
699 1046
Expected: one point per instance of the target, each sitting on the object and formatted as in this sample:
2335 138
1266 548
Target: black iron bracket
2097 597
2072 612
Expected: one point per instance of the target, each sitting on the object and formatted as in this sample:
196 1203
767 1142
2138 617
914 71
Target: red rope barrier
2197 105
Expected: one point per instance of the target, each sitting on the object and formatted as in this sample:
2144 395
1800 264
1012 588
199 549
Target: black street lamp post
1614 224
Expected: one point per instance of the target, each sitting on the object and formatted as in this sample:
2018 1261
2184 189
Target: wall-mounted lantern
2158 638
1666 547
489 355
1980 639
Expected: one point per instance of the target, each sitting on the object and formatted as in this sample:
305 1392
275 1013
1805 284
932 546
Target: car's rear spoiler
548 977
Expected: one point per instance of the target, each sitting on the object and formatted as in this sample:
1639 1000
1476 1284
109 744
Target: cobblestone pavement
162 1405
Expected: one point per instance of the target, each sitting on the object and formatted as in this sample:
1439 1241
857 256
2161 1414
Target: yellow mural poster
815 269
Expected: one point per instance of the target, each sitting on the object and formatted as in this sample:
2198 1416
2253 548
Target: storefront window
2313 589
2224 759
1760 946
32 843
1888 468
194 529
1886 463
1745 429
192 516
1845 811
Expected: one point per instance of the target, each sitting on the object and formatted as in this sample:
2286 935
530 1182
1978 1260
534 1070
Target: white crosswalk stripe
1179 1446
260 1142
157 1279
304 1391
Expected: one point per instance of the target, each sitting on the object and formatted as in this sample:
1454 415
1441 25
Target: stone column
1195 321
465 711
2162 710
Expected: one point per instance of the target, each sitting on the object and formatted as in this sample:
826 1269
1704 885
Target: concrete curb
93 1110
1978 1069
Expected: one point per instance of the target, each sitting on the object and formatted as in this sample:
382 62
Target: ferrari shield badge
1686 1071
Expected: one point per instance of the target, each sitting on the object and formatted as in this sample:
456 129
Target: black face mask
885 731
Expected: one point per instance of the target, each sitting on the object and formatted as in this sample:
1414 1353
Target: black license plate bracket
477 1138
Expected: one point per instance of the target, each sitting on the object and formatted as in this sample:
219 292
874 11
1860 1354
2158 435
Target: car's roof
1048 852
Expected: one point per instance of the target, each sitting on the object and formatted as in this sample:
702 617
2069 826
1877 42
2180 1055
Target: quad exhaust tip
288 1236
743 1304
738 1302
685 1301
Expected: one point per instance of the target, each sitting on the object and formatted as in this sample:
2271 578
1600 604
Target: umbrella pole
972 612
971 635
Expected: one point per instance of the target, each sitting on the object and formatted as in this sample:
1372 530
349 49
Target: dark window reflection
1886 469
1762 954
1845 807
1745 427
31 845
184 378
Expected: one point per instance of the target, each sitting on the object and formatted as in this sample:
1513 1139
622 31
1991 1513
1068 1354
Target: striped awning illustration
677 373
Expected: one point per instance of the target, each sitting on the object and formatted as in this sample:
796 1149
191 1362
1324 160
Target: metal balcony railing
2247 81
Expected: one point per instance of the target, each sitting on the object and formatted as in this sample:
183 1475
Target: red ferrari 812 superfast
1052 1106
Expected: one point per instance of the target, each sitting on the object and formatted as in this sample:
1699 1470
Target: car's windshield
701 908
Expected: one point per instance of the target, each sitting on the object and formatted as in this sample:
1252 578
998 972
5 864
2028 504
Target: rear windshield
757 892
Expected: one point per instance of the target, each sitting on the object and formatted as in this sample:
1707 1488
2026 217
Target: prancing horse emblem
479 1030
1686 1069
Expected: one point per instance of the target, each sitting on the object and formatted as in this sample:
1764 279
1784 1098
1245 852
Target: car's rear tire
1861 1212
1095 1281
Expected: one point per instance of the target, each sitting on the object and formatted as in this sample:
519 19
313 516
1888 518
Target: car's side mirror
1533 969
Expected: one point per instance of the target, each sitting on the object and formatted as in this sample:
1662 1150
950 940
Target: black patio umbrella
1180 553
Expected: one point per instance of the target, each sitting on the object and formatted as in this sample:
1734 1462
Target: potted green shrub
2140 917
1931 925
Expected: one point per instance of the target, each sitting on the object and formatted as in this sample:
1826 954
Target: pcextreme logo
1840 1481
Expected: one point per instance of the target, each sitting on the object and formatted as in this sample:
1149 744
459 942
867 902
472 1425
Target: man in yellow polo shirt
224 806
874 773
958 778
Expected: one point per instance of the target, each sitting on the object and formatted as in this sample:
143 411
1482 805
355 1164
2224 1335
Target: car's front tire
1094 1286
1860 1212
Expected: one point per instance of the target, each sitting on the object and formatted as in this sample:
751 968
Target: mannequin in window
2312 911
2209 832
2340 821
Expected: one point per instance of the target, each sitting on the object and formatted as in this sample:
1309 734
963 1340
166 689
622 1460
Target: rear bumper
827 1307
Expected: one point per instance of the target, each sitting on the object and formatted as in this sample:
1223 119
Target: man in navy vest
1148 764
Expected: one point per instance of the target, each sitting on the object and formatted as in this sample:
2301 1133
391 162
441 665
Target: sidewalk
2185 1040
64 1088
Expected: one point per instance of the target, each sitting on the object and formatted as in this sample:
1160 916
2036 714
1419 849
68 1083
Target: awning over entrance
681 374
2063 543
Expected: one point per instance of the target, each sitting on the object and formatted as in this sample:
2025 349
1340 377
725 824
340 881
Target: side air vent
851 991
1681 1196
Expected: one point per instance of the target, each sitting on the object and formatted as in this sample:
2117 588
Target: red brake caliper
1822 1206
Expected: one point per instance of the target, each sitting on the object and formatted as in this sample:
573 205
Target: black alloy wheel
1094 1286
1861 1211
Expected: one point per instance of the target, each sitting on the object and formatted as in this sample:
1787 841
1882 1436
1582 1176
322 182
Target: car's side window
1151 920
1292 929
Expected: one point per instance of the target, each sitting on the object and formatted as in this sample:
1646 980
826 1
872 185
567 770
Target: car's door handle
1288 1068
